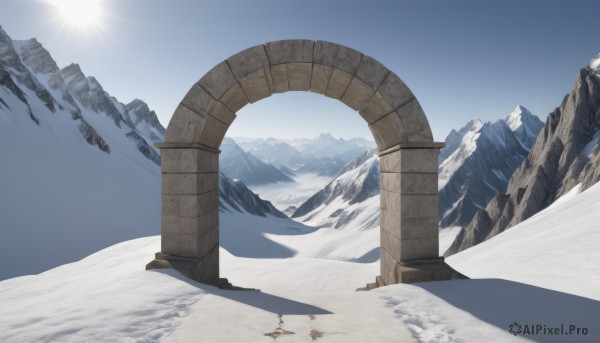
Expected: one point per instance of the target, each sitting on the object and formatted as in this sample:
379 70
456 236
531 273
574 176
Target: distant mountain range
325 155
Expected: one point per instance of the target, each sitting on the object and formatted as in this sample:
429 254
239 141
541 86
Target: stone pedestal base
422 270
202 270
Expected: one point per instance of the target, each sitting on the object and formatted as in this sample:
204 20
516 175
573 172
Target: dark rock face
478 161
144 148
564 154
235 196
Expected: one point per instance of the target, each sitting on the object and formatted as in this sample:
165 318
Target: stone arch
409 157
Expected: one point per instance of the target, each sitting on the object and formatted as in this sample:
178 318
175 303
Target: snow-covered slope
350 200
557 248
237 164
108 297
478 161
75 177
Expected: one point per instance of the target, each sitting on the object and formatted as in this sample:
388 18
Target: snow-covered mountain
564 154
234 196
237 164
79 171
478 161
325 155
350 200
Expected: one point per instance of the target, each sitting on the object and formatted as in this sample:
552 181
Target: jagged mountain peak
73 68
36 57
518 117
594 65
136 104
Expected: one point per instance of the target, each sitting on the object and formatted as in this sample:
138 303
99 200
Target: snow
515 120
526 275
106 297
595 63
588 150
555 249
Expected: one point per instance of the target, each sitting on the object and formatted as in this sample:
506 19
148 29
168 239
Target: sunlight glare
81 13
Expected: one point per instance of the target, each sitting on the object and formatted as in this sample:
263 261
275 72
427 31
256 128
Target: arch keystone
290 51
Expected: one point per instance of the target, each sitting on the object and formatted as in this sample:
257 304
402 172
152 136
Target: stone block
256 86
390 129
204 241
391 244
357 94
189 183
390 202
320 78
180 160
410 183
182 205
222 113
338 83
390 163
248 62
419 160
378 138
184 125
189 160
218 80
371 72
208 202
375 108
337 56
290 51
395 92
413 118
178 244
299 76
419 206
418 248
234 98
180 226
388 267
280 78
198 100
209 219
212 133
412 228
206 270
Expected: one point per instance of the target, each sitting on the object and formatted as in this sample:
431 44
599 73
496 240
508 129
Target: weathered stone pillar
190 211
409 214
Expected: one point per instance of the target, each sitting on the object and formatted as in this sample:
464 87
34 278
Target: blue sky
462 59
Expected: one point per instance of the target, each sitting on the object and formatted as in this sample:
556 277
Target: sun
80 13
